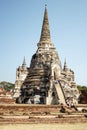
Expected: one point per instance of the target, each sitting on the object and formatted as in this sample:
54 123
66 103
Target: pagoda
45 81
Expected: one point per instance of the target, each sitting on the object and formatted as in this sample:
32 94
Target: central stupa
46 82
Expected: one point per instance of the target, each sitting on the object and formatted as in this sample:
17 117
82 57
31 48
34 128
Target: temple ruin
45 81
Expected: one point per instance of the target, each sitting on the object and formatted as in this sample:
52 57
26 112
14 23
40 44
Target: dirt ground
76 126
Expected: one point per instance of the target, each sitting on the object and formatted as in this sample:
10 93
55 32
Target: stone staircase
60 93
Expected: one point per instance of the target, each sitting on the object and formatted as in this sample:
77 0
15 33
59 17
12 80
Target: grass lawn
64 126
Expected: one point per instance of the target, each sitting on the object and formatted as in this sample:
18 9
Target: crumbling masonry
45 82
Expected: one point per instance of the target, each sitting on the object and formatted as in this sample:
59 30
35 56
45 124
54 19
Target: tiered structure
46 82
21 74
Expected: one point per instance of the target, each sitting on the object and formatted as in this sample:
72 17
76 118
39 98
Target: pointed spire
24 63
45 33
65 66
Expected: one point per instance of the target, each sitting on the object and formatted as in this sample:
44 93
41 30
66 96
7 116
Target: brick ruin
45 81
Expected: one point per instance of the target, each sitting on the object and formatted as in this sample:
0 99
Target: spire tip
45 5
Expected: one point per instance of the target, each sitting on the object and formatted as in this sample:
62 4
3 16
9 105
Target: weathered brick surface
29 108
5 100
14 113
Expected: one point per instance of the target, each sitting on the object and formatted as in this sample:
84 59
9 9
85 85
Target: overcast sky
20 29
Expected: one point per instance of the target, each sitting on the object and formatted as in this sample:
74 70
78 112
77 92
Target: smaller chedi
45 81
21 74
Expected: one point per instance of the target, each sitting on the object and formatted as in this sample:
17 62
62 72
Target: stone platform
15 113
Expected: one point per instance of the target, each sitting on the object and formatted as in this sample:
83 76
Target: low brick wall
28 108
24 113
6 100
20 109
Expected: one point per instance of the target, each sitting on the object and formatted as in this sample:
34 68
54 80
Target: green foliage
82 87
7 85
83 94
